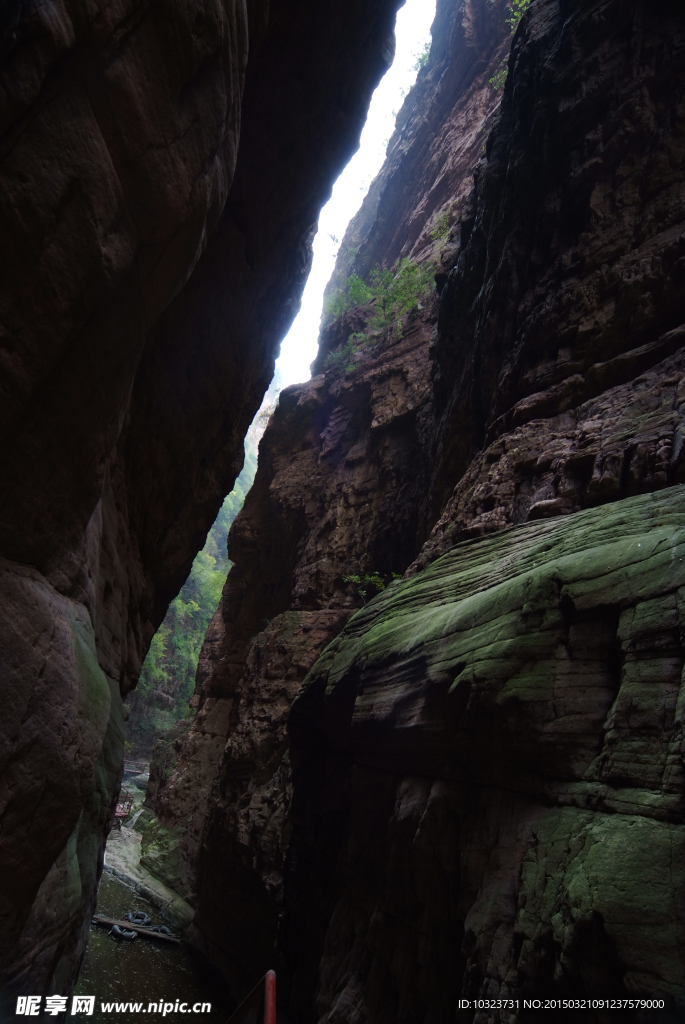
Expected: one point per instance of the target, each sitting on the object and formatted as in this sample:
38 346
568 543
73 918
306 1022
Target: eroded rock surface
162 168
569 283
495 746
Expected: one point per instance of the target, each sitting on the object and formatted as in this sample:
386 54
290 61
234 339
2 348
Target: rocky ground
122 859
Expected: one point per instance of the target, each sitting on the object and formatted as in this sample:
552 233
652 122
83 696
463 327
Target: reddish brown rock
441 131
626 441
570 281
141 309
483 744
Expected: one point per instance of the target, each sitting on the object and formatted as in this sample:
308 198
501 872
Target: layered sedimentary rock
492 755
162 167
440 136
493 742
571 279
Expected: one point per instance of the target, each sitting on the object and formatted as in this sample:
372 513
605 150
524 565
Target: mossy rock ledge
513 715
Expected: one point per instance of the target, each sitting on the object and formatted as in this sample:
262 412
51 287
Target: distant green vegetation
441 228
394 293
363 581
171 662
423 57
516 11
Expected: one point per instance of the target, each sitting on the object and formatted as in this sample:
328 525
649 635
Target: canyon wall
162 169
487 764
338 490
477 790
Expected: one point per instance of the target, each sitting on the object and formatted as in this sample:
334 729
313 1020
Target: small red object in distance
261 998
270 997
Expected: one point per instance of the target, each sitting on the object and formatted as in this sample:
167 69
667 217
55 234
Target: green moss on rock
533 678
160 854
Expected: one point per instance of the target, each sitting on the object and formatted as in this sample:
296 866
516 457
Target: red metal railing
260 1006
124 806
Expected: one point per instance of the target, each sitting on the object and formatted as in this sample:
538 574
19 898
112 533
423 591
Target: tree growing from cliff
423 57
516 11
393 293
376 580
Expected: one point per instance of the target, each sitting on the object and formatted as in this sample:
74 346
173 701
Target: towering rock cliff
162 167
487 764
479 791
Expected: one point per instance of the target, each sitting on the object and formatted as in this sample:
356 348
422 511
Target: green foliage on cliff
167 679
441 228
171 662
516 11
398 291
500 76
347 353
354 293
363 581
394 293
423 57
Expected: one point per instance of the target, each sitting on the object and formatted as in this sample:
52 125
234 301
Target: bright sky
412 31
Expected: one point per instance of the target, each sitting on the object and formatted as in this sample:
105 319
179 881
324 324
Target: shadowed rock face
490 742
493 742
491 754
570 283
336 492
161 171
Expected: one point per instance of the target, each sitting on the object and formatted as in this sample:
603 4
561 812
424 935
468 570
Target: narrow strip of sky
412 32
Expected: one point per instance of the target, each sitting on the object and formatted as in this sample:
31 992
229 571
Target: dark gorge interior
436 747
